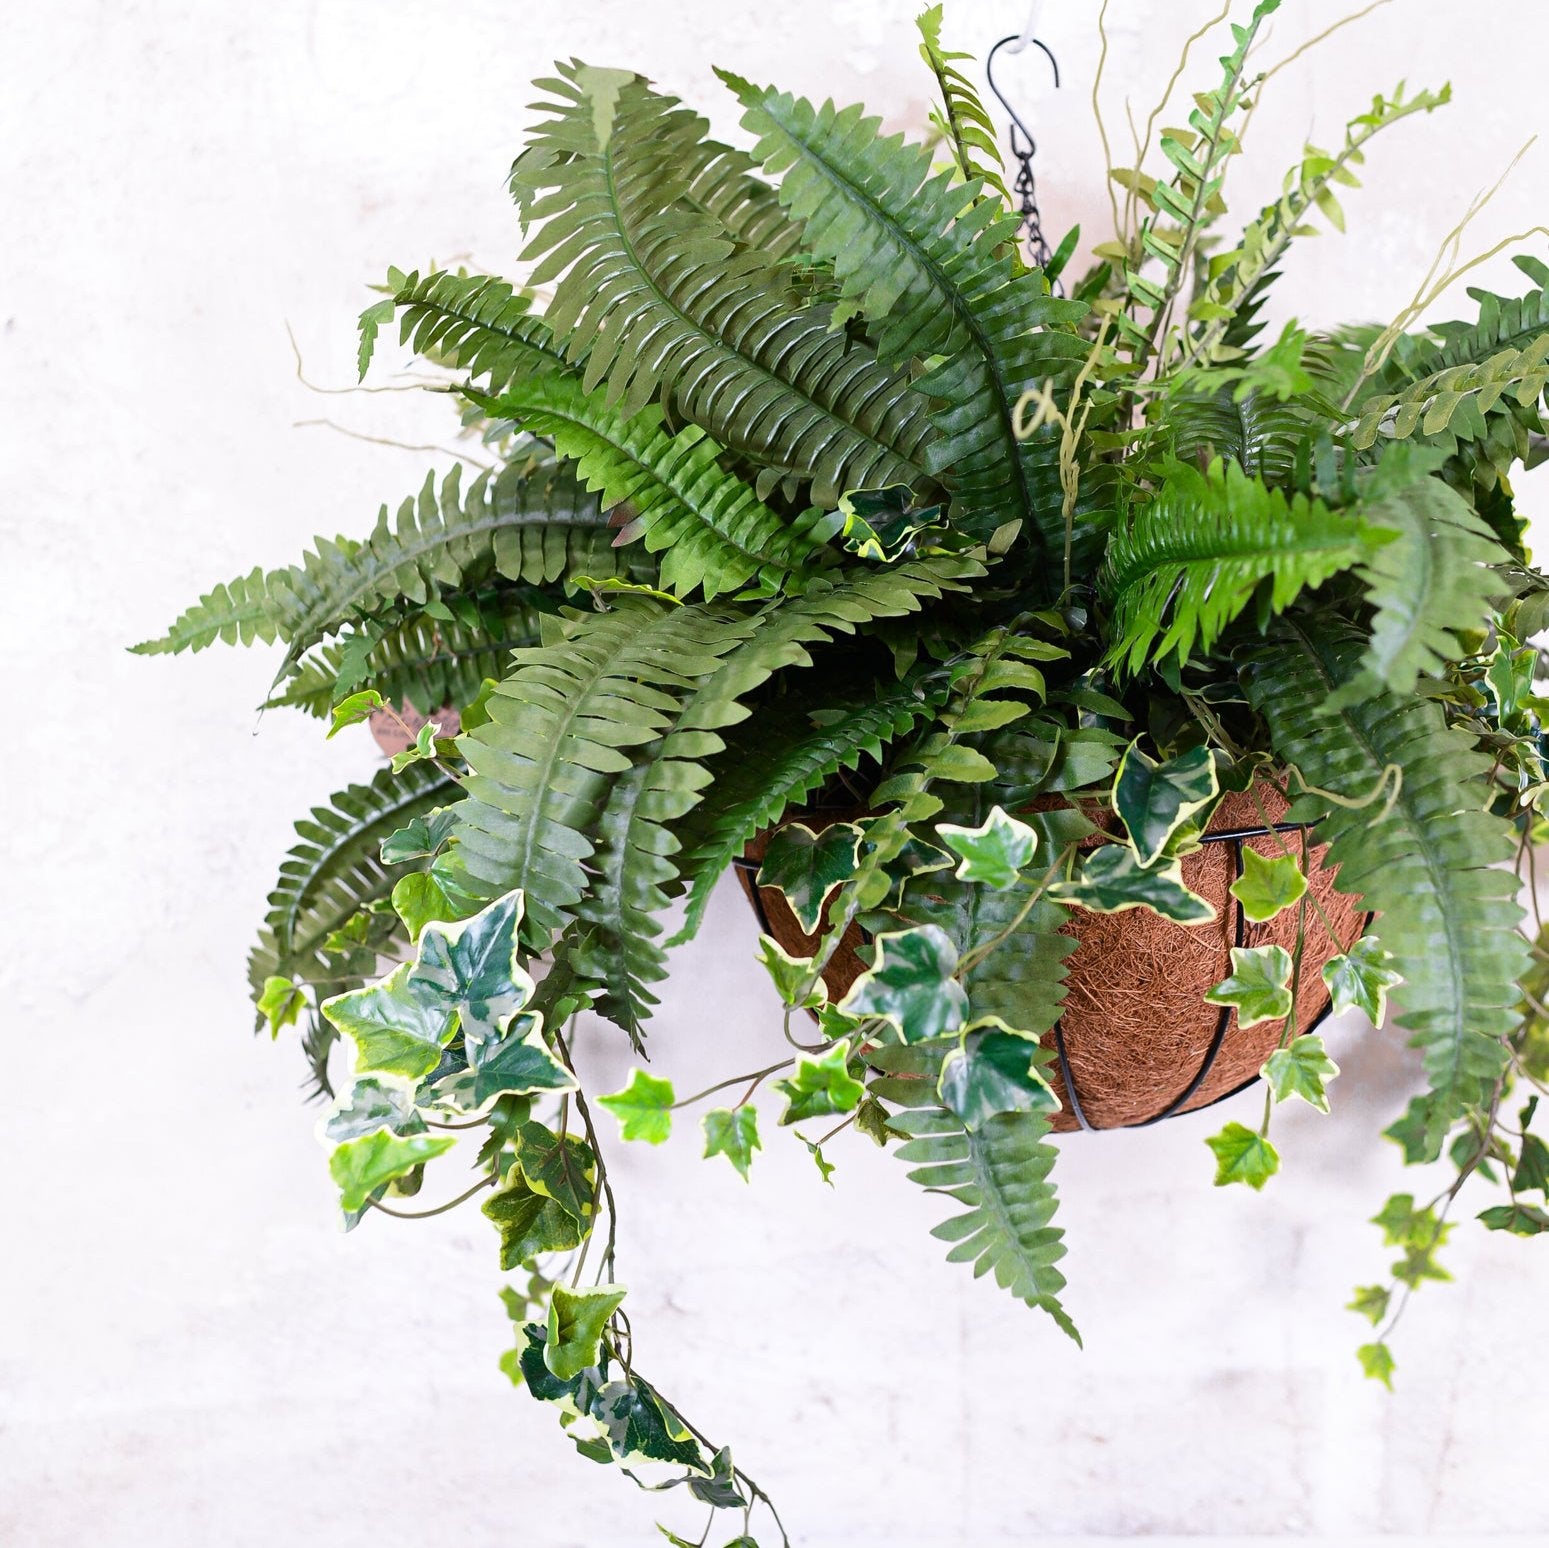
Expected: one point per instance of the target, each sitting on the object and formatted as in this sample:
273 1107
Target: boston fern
822 522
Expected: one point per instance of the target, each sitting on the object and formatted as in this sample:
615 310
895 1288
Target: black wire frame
1232 836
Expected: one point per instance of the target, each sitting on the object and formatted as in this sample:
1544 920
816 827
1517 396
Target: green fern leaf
334 871
1436 581
420 660
1428 860
1190 559
535 527
1262 436
936 274
656 297
235 612
965 125
1000 1176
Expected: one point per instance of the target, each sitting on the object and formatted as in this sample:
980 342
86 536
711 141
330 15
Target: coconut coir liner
1135 1025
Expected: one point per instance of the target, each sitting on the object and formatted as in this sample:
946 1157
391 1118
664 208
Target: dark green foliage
1424 855
936 277
334 873
657 298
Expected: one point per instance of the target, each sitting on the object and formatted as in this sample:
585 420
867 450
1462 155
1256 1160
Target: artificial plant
801 477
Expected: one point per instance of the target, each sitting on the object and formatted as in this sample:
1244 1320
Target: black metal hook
1023 148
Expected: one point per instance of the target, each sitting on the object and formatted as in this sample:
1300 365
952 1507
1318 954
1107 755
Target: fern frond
1260 434
964 124
931 265
714 533
657 298
802 742
235 612
334 871
1190 559
1428 859
420 660
1435 581
535 527
1000 1176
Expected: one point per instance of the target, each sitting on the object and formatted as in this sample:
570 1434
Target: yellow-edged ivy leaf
280 1003
1302 1069
1155 800
1267 884
360 1166
420 837
421 748
732 1132
518 1063
1371 1302
1359 980
1518 1218
418 900
791 975
398 1025
1111 880
577 1319
911 985
871 1120
805 867
993 853
1243 1155
559 1166
475 964
369 1104
356 708
824 1165
1377 1363
992 1071
820 1086
643 1108
1259 986
530 1224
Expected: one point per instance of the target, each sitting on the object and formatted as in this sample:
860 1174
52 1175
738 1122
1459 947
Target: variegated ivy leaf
834 1023
475 965
418 900
518 1063
732 1132
1267 884
361 1166
824 1165
419 838
280 1003
1243 1155
994 852
370 1104
643 1108
820 1086
1111 880
1371 1302
1258 986
911 985
398 1025
791 975
881 524
1155 800
577 1319
422 748
1302 1069
1517 1217
1360 981
530 1224
805 867
992 1071
356 708
559 1166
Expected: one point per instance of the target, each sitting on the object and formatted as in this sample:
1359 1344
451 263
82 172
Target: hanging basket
1136 1041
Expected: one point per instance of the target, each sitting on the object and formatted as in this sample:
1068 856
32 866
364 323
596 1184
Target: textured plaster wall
190 1355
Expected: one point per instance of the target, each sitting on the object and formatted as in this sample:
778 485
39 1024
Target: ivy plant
803 483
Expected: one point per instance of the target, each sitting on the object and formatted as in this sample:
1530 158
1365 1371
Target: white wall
190 1354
